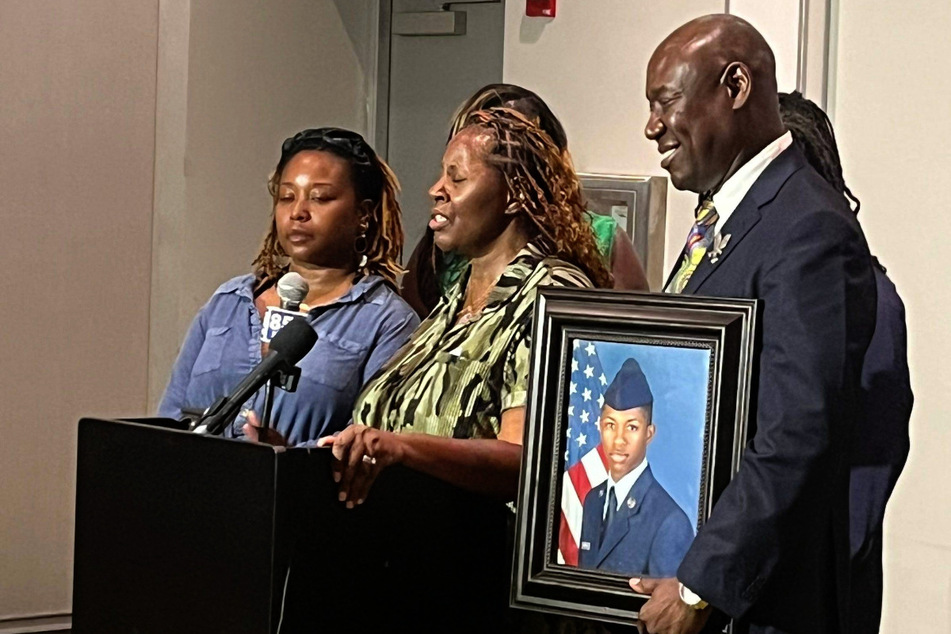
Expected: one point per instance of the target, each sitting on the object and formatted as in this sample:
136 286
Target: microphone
289 346
292 289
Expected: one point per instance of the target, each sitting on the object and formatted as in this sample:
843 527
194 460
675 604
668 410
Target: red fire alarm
540 8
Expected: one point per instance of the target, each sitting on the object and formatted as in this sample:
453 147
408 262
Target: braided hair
545 188
812 131
372 179
517 98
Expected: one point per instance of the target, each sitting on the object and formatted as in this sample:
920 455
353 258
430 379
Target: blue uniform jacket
648 536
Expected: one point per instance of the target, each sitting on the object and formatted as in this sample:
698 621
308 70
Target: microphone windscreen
292 289
294 340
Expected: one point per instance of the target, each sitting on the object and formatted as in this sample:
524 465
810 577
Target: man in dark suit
774 553
631 525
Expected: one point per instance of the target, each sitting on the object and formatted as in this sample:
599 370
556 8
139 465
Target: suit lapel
630 507
747 214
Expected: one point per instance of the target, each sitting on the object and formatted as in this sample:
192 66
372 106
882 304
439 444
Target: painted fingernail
349 505
336 477
360 501
342 496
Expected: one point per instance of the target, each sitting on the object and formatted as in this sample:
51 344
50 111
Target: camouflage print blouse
455 380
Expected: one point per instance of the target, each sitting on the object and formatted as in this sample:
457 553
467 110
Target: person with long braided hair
510 204
336 222
879 444
430 272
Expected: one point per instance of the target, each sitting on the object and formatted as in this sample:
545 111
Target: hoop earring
360 246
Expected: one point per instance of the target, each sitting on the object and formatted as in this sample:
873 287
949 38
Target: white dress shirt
622 487
736 187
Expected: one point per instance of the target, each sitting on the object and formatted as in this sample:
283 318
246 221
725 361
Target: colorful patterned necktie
699 240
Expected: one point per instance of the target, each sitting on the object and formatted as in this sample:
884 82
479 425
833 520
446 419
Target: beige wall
893 123
76 151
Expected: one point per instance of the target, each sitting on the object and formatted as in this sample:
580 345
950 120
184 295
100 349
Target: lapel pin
631 502
601 493
585 545
719 243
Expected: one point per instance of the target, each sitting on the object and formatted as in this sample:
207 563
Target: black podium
180 533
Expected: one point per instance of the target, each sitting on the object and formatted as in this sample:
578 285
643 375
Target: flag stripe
596 466
567 547
585 461
578 476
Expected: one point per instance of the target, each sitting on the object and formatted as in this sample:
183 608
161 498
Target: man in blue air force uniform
631 524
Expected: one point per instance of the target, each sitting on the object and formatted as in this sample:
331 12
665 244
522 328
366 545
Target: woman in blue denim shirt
336 222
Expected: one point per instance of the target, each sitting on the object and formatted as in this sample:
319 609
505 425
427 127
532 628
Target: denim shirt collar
367 286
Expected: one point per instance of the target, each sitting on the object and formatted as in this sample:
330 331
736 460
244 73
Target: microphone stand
287 380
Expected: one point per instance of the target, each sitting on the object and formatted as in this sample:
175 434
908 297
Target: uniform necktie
698 241
609 516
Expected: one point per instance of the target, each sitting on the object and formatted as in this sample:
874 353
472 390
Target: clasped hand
360 454
664 612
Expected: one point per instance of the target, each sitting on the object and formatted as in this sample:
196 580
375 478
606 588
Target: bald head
714 41
711 85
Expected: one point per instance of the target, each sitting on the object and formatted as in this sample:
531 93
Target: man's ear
739 83
650 432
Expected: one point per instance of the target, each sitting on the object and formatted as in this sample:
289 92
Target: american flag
585 462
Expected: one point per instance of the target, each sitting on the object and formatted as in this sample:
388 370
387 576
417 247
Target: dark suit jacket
879 449
648 536
774 552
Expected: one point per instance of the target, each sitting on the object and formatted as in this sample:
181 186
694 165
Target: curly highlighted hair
372 179
517 98
543 185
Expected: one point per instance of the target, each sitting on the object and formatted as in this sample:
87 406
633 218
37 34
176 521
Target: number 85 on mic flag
274 319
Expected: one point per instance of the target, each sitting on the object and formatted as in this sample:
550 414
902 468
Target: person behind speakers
880 444
430 272
509 202
631 524
335 221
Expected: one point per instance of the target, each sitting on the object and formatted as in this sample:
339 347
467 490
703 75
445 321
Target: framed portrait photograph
637 418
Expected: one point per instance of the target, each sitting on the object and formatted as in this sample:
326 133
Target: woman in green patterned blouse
431 273
451 402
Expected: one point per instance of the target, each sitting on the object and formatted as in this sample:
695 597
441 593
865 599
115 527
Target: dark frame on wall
718 336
